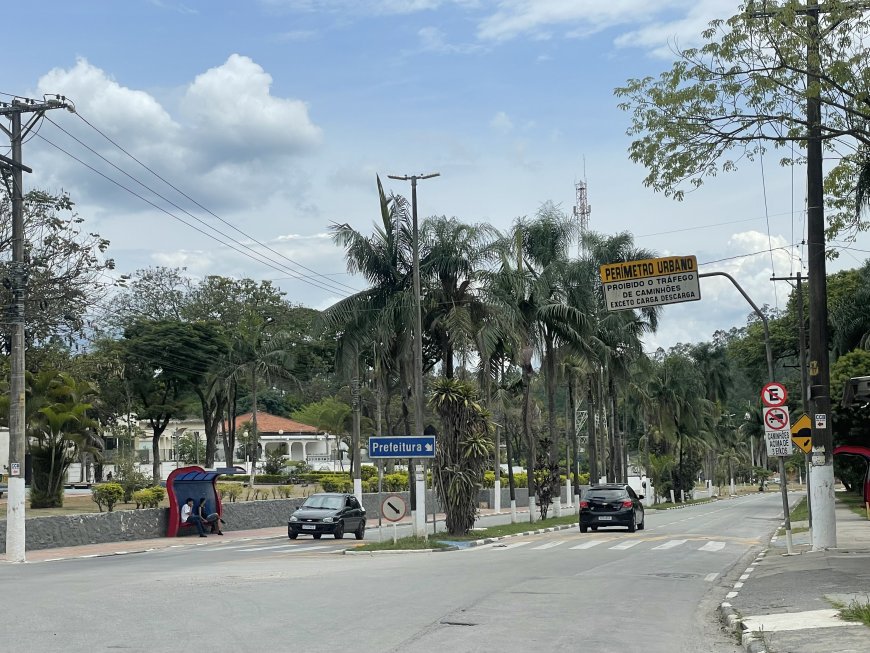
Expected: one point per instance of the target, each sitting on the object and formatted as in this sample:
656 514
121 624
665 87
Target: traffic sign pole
777 431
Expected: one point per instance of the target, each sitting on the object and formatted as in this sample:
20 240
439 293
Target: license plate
311 527
605 518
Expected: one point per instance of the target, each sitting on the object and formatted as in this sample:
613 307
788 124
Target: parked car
611 505
330 512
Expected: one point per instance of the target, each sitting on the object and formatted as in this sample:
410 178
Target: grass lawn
855 502
403 544
800 512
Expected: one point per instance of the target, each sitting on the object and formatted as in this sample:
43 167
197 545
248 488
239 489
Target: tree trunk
592 411
255 435
527 426
572 422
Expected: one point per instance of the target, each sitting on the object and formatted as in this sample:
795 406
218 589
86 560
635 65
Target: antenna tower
582 210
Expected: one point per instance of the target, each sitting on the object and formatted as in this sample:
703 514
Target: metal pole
15 534
418 316
782 486
356 468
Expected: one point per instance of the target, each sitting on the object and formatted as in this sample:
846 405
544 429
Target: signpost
777 435
402 447
393 508
650 282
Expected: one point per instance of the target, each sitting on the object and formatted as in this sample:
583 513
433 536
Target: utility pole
418 325
356 468
18 273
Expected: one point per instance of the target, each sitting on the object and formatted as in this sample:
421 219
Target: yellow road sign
802 434
645 268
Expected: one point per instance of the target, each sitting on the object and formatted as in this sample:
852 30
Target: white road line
295 547
712 546
548 545
589 544
515 545
622 546
711 577
669 544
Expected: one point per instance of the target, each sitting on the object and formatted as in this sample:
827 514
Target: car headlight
294 518
328 520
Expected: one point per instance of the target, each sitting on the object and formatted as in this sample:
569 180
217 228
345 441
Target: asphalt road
611 591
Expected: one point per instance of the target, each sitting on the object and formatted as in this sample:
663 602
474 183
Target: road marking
669 544
548 545
711 577
712 546
622 546
515 545
293 547
589 544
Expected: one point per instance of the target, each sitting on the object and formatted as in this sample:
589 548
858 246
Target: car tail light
626 503
584 504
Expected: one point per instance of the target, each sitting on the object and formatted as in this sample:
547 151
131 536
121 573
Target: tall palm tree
453 258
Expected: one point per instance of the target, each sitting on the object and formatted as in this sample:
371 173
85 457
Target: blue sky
276 115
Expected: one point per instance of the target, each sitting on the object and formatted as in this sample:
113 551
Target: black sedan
331 513
611 505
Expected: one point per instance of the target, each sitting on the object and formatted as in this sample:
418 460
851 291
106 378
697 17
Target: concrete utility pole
418 320
824 531
356 471
18 273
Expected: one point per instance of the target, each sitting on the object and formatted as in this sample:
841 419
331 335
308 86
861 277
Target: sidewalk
784 604
142 546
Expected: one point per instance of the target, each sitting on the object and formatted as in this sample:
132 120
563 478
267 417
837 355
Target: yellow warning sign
645 268
802 434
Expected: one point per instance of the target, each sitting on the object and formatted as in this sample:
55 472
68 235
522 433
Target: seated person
188 516
209 518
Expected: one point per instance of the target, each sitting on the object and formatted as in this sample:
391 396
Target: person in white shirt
187 516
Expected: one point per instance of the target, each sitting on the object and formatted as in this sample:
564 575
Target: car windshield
607 494
331 503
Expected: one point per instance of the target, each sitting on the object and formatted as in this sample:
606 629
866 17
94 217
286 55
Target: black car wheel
339 531
360 532
642 524
292 535
632 525
316 536
583 528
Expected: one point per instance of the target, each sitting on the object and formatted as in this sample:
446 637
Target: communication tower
582 210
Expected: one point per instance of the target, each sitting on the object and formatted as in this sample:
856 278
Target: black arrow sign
395 510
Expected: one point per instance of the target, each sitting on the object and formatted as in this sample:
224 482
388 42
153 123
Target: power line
252 254
209 211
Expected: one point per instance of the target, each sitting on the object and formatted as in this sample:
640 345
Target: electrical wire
767 220
252 254
335 289
210 212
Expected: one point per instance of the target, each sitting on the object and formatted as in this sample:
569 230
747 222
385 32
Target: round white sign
393 508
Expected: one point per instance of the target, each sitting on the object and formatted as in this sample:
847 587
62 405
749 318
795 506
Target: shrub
230 491
150 497
282 491
107 494
336 483
368 472
396 482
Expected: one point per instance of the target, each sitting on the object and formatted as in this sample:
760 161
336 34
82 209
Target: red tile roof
272 424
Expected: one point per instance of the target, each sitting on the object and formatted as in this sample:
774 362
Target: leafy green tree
463 449
745 89
66 268
191 449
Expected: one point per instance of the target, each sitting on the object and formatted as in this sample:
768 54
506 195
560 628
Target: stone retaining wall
148 523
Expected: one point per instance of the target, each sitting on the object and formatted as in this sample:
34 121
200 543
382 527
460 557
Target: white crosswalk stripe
670 544
549 545
712 546
622 546
589 544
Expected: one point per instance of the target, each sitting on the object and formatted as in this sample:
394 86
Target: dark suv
611 505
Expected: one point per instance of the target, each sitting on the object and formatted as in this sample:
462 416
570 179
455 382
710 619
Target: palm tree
258 355
451 265
463 450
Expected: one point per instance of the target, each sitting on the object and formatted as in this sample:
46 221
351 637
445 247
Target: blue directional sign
402 447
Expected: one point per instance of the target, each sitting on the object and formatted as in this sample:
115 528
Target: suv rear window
606 494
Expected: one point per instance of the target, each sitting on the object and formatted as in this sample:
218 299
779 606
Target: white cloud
501 123
232 106
433 39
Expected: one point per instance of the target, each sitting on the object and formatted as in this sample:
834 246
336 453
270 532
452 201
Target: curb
351 552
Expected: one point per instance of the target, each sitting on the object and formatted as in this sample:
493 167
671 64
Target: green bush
336 483
368 472
270 479
107 494
396 482
150 497
229 491
282 491
240 478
